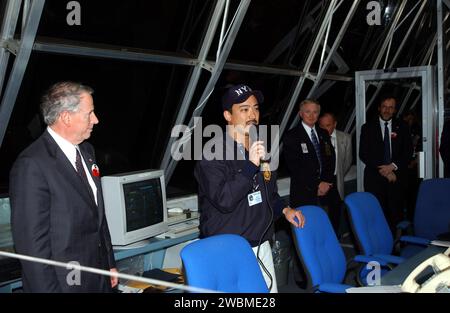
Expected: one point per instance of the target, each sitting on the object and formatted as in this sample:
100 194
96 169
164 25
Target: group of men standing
317 158
60 214
227 188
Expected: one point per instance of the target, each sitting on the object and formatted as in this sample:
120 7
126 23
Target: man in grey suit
342 143
56 198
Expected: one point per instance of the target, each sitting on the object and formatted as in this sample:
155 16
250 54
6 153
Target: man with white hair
56 198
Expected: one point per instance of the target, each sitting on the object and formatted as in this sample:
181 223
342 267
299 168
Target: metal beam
339 61
389 35
405 38
215 19
351 129
11 45
447 3
306 68
117 53
419 97
281 71
240 14
286 41
111 52
332 51
405 100
25 13
384 46
323 88
19 66
7 33
440 77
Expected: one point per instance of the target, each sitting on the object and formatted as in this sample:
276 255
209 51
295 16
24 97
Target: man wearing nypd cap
233 198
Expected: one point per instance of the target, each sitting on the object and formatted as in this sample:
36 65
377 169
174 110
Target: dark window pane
166 25
135 103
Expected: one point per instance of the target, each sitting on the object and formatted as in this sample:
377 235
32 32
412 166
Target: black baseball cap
238 94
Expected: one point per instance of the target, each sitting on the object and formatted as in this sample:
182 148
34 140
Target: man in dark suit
444 148
56 198
310 160
386 149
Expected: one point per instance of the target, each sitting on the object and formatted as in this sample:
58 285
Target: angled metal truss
322 80
20 63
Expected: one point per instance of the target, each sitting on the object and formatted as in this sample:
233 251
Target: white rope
104 272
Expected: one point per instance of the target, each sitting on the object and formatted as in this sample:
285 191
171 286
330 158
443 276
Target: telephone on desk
440 279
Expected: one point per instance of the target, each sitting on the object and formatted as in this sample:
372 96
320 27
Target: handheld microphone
259 133
253 133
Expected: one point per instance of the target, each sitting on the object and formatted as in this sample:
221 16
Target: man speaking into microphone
234 195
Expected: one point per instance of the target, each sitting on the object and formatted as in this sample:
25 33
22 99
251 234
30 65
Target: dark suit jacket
444 148
304 167
55 217
371 149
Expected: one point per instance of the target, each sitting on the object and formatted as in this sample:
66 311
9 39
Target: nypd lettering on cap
240 91
238 94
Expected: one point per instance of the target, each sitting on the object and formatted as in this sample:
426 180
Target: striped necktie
316 145
82 174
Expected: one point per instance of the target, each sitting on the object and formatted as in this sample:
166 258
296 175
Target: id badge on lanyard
255 197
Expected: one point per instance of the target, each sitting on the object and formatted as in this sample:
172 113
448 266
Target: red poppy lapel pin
95 170
393 135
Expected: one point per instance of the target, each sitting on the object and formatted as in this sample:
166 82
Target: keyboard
181 229
127 289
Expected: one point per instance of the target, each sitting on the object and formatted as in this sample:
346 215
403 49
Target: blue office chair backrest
319 249
369 224
432 215
223 263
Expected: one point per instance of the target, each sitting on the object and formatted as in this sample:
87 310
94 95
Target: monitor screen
139 197
135 206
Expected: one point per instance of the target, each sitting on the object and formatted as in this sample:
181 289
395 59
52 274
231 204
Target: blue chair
431 216
371 230
223 263
319 251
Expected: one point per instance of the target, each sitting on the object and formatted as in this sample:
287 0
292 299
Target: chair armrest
333 288
390 258
415 240
403 225
369 258
361 270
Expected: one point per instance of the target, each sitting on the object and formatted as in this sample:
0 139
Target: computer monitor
135 206
9 268
6 241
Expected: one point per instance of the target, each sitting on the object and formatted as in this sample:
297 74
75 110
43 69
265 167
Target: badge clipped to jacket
266 171
304 147
254 198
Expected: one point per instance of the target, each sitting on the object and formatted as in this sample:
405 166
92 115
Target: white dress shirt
69 151
334 143
382 123
308 131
